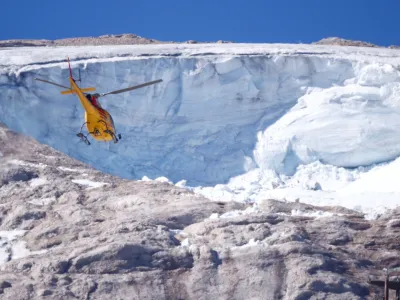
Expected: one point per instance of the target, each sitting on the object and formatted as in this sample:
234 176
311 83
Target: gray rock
343 42
152 240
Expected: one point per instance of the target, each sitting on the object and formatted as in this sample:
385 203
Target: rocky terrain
109 39
343 42
68 231
112 39
336 41
133 39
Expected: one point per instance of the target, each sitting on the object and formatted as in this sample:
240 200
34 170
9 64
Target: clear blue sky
258 21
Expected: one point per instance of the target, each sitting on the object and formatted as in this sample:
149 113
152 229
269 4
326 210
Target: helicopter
99 122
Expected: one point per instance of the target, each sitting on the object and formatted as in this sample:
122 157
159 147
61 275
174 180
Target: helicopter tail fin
72 91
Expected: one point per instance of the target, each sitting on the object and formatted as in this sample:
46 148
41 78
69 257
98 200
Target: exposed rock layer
152 240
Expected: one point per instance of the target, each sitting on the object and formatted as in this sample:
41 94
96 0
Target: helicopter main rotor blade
132 87
53 83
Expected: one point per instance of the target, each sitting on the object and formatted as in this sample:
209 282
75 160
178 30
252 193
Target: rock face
71 232
343 42
110 39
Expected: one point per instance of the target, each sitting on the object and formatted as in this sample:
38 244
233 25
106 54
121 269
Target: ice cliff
221 110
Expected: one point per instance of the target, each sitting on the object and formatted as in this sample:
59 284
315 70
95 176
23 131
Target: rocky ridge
103 40
133 39
343 42
68 231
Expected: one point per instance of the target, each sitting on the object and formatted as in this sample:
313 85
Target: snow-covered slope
247 121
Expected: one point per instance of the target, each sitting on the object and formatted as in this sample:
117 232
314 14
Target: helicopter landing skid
82 136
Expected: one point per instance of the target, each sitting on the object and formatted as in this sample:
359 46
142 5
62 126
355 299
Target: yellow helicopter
99 123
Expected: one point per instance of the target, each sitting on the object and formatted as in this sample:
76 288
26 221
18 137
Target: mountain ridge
134 39
108 39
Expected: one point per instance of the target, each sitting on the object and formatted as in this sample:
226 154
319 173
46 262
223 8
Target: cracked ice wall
200 124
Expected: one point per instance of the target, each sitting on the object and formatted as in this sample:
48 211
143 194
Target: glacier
231 121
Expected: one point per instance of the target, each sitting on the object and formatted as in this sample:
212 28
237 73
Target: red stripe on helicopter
103 114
